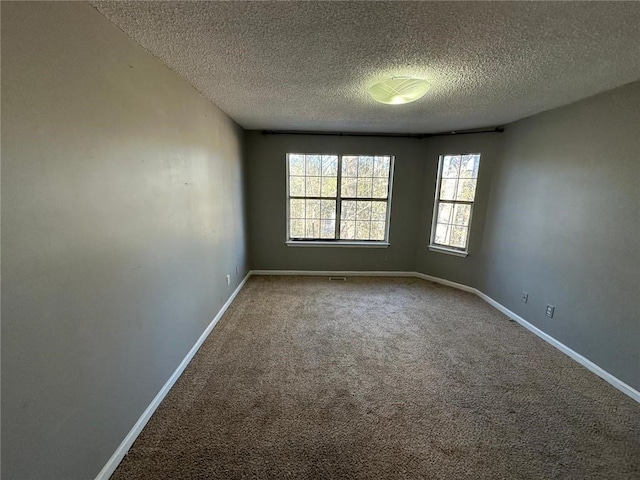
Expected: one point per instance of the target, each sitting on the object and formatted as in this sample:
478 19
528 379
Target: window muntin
455 196
339 197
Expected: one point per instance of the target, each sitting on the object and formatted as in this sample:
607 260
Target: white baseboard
124 447
585 362
326 273
448 283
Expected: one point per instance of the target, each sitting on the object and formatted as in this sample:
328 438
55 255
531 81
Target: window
338 198
453 207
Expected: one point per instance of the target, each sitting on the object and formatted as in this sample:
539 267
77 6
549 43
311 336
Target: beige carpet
382 378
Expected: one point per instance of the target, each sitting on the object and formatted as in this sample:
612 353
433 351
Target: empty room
320 240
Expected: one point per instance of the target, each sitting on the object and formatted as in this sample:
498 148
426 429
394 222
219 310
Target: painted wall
563 224
122 212
463 270
266 157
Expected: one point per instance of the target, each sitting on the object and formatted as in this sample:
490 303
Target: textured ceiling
307 65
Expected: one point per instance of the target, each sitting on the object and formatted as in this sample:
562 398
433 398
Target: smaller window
453 206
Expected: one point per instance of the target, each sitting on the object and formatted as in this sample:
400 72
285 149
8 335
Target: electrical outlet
237 270
550 310
525 297
228 279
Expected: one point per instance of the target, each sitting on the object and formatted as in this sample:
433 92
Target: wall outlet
525 297
228 279
237 270
550 310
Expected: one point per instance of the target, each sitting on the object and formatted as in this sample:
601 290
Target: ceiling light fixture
399 90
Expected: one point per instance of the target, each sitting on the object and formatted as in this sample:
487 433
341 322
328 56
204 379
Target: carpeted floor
382 378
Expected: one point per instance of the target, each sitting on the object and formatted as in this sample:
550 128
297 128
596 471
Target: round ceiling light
399 90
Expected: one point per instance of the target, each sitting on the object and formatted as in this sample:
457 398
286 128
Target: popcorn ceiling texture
307 65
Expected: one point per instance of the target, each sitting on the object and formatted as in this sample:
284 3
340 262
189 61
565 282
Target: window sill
291 243
448 251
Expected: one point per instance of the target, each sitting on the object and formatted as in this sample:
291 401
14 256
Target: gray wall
266 157
465 270
563 224
122 212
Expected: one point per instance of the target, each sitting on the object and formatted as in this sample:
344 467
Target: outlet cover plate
550 310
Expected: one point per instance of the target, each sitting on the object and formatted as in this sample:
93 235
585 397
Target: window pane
377 230
462 214
329 186
381 167
296 164
469 166
313 187
445 213
296 186
380 187
296 208
365 167
320 218
313 209
328 209
314 180
349 166
442 234
362 230
314 165
348 230
379 211
448 189
364 188
296 229
348 187
348 210
451 166
328 229
329 165
363 211
458 236
466 190
313 228
455 201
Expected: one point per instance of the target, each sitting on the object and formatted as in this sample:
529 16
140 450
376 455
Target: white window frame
436 247
338 242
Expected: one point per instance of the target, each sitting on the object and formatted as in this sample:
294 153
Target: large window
455 195
338 198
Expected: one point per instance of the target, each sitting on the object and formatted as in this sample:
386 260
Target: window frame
337 242
438 247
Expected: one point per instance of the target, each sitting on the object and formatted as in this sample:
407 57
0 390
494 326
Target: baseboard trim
448 283
585 362
326 273
124 447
